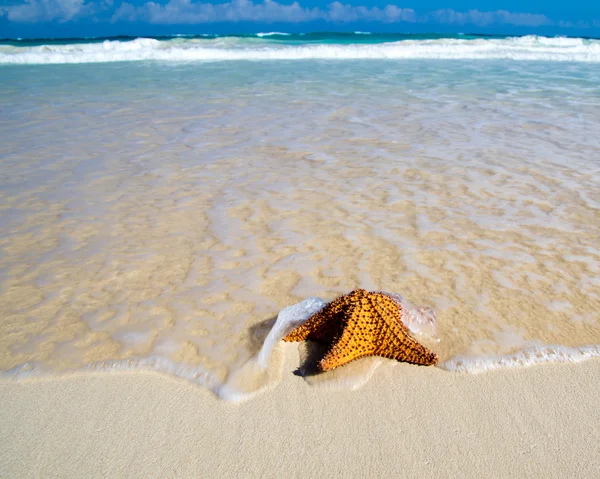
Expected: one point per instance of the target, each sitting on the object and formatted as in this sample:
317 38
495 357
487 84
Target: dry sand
406 422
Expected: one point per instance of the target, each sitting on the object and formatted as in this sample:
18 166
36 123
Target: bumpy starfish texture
362 324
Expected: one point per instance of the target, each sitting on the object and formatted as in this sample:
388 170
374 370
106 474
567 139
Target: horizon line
201 35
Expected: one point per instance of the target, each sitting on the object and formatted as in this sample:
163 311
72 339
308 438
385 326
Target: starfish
362 324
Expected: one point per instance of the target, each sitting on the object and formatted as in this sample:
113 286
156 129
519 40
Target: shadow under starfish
310 355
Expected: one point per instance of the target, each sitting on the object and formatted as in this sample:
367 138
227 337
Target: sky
97 18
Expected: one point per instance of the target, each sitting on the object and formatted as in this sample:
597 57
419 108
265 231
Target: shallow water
161 214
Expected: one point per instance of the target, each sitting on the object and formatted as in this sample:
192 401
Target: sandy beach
406 422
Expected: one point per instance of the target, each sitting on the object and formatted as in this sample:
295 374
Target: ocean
163 199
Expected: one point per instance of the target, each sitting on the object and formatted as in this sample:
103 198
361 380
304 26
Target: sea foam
520 359
530 48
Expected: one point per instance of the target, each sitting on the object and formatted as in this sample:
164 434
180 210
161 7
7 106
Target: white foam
22 371
271 34
530 48
524 358
421 321
264 369
195 374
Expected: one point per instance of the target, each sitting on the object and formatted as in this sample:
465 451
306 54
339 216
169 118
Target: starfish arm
339 357
351 345
316 327
325 324
398 343
409 351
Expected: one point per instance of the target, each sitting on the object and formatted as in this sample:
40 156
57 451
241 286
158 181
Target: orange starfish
362 324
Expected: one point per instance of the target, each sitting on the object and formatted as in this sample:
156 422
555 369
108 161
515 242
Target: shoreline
406 421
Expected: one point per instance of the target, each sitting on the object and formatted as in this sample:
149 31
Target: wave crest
529 48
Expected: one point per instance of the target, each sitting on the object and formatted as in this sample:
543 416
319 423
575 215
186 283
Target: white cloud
186 11
337 12
578 24
46 10
264 11
498 17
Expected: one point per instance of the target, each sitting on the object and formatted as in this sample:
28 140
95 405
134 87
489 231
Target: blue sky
68 18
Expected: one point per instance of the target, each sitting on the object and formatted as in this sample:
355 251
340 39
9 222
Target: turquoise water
162 198
317 37
314 37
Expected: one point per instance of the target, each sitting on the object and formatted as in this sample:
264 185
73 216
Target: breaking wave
264 48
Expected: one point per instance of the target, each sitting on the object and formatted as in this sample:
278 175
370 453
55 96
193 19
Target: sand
406 422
